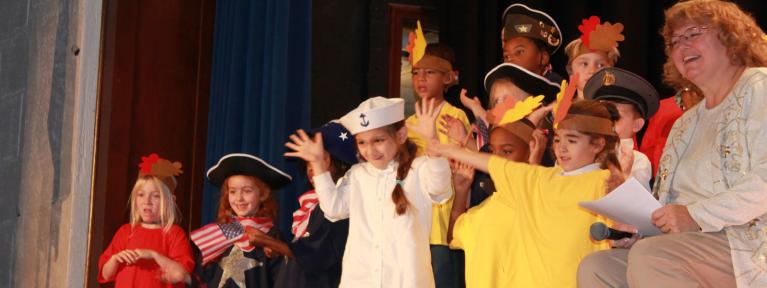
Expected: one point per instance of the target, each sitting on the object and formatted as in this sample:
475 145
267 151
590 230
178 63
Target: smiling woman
711 175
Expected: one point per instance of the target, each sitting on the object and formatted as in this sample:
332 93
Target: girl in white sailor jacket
388 198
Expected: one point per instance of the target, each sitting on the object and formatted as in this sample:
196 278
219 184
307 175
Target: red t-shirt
658 130
146 273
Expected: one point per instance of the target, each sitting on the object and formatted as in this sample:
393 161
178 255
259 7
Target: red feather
146 163
567 99
587 27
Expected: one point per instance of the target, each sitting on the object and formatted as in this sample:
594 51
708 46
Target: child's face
148 201
380 146
430 83
586 65
523 52
245 196
575 149
503 89
630 122
506 145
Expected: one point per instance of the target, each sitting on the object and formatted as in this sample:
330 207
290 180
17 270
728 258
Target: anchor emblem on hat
364 122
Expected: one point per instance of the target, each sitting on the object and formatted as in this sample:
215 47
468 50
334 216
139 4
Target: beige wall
57 132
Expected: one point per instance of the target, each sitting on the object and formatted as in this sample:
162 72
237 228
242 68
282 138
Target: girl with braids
531 231
387 197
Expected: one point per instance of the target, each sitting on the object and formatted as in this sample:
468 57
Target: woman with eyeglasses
712 178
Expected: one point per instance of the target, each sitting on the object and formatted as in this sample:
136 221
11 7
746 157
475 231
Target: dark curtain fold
260 90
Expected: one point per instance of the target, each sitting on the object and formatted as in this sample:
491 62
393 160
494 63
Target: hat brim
249 165
530 82
630 88
523 9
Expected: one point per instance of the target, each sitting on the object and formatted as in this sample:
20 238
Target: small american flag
213 239
482 131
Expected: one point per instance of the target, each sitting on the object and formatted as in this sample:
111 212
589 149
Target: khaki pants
692 259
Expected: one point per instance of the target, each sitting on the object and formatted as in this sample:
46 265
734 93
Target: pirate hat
530 82
249 165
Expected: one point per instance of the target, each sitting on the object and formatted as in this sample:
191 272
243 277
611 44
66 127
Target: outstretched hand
454 129
536 116
474 105
311 150
426 112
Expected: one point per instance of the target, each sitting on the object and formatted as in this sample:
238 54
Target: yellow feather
419 47
521 109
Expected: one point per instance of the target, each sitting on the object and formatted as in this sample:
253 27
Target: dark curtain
260 90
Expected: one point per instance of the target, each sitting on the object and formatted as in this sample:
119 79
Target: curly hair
737 31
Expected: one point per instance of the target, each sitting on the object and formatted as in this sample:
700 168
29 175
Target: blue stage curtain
260 90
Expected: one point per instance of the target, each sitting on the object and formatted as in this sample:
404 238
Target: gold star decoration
234 266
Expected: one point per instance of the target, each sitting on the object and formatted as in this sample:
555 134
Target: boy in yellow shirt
531 232
432 75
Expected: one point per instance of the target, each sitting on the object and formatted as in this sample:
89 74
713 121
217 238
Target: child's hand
127 256
269 252
311 150
540 113
454 129
173 274
474 105
537 146
626 159
256 237
463 175
426 113
145 253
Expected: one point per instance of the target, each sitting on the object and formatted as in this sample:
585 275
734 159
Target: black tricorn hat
530 82
520 20
246 164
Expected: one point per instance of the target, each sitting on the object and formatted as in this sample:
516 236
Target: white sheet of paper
630 203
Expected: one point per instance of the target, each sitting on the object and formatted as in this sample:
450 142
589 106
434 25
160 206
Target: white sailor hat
374 113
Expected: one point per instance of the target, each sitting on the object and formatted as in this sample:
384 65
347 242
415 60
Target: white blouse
385 249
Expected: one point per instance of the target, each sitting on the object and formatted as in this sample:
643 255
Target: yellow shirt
440 212
531 232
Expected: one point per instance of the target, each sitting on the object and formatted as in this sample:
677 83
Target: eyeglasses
690 34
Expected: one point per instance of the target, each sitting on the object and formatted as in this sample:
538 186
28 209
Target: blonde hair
169 213
735 28
576 48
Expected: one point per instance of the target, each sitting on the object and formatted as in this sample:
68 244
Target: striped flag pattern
483 133
213 239
308 202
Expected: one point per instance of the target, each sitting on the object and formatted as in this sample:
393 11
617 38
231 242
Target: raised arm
333 200
463 175
478 160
